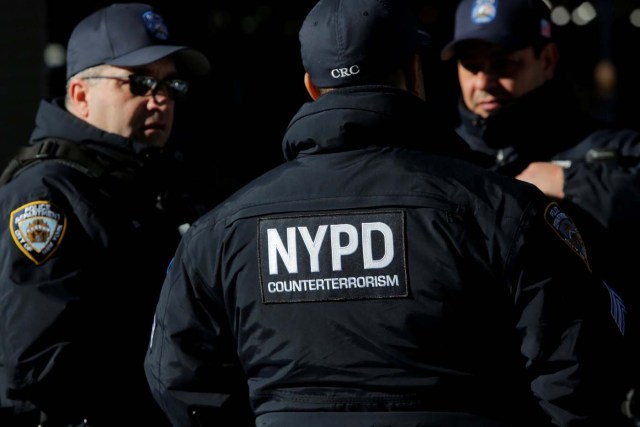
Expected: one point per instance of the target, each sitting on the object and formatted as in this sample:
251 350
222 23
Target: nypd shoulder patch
564 227
37 229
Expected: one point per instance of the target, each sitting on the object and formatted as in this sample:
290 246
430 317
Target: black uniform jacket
364 282
82 261
602 175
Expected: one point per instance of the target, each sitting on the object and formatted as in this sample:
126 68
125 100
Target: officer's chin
155 137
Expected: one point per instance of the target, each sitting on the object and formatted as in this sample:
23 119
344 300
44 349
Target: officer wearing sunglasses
141 85
88 228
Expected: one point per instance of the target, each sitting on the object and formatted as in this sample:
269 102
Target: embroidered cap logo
155 25
484 11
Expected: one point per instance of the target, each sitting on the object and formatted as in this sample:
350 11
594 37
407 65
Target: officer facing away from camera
373 278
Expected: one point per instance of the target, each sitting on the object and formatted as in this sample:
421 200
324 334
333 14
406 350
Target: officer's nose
485 79
160 95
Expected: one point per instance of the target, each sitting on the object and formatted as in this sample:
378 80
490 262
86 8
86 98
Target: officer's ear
311 88
549 55
77 102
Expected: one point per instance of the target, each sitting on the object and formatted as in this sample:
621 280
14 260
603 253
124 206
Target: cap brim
506 43
188 60
449 51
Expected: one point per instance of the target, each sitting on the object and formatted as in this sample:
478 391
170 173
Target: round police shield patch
37 229
567 230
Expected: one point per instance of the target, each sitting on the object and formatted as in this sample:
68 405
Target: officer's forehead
480 49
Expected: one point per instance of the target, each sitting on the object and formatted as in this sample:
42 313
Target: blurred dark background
230 126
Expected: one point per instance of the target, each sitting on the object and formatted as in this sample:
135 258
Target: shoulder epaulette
70 153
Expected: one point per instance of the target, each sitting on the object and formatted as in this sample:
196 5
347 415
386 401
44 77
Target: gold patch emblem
37 229
567 230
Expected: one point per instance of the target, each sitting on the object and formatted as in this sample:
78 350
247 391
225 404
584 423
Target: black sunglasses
140 85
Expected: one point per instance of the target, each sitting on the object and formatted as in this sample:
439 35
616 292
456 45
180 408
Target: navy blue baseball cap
512 24
350 42
128 35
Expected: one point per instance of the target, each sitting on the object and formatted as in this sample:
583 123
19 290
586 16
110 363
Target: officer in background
517 112
519 116
87 237
374 280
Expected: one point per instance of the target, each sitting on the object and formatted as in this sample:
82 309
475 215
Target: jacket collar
544 121
53 120
362 116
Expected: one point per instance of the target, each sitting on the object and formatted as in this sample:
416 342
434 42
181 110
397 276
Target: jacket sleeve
571 324
191 364
42 312
605 181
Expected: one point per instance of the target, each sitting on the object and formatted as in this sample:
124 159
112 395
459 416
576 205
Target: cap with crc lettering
349 42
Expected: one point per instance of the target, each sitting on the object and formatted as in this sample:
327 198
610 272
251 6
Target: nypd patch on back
332 257
37 229
567 230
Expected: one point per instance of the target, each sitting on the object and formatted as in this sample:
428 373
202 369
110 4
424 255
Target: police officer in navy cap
86 234
373 279
518 114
